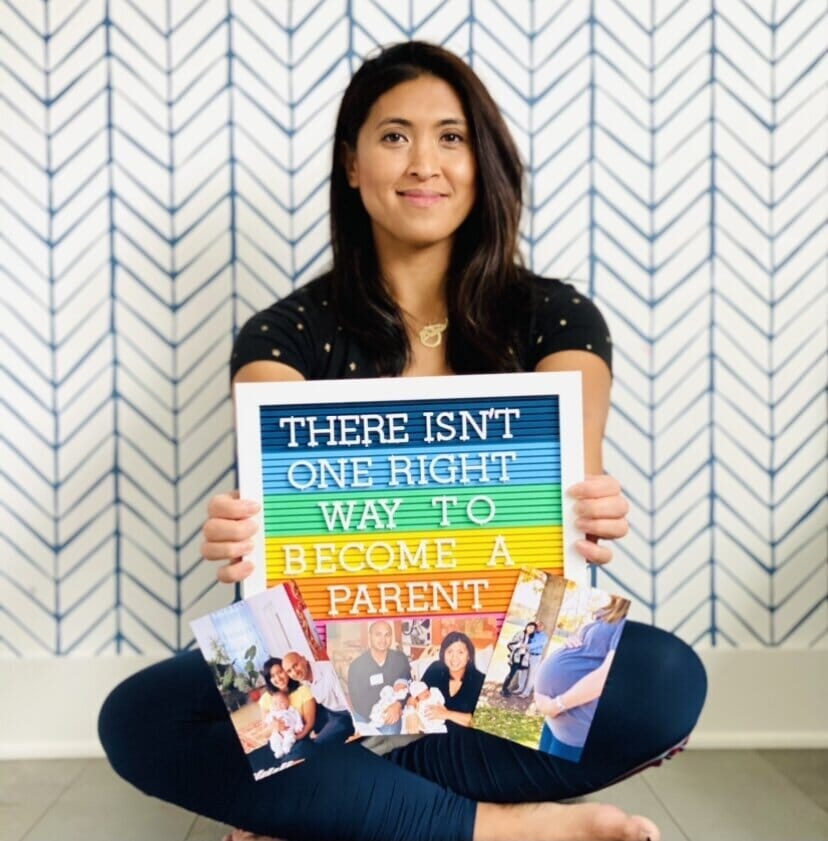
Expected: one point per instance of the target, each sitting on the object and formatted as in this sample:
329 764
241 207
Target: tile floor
699 796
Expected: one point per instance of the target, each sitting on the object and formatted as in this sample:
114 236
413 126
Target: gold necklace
431 335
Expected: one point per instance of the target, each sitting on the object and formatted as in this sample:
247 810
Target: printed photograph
412 675
274 676
550 664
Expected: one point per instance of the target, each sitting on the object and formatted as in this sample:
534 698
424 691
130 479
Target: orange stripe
359 597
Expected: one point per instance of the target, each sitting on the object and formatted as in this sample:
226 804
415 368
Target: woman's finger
610 507
595 486
228 506
595 553
217 530
237 570
605 529
222 550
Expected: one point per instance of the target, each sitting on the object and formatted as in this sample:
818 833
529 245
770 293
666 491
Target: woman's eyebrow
401 121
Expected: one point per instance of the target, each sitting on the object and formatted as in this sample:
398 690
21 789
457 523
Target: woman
570 681
518 647
425 202
301 698
457 677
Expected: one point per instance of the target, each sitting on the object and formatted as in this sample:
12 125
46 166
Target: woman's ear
349 162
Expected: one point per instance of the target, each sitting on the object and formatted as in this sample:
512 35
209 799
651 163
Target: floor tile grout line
664 806
84 766
191 828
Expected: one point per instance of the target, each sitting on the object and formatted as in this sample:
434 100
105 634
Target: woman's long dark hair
485 289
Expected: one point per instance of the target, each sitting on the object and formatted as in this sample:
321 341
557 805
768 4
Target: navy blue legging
166 731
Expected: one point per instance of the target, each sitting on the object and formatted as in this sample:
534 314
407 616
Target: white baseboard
757 699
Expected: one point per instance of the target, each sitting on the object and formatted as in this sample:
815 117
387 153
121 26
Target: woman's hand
601 512
545 705
437 712
227 535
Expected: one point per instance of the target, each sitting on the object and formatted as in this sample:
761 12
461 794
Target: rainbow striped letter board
410 496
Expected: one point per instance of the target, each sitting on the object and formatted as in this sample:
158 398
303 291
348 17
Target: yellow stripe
398 554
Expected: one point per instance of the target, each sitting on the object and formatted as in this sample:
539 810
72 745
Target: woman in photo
518 647
571 679
425 203
301 699
457 677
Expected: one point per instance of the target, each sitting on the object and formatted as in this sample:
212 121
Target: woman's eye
393 137
453 137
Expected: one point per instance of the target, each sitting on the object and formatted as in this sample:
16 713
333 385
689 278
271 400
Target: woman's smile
422 198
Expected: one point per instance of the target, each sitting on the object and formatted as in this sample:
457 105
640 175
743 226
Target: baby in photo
423 698
282 741
388 696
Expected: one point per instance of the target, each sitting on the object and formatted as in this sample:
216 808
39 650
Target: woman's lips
421 198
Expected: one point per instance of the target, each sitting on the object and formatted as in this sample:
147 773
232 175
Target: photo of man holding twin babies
398 687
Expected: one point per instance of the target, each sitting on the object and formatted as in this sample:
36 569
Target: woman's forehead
425 100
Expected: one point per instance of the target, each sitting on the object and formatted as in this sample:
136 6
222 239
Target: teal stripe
518 505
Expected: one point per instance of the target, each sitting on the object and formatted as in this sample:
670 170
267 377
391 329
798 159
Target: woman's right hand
228 535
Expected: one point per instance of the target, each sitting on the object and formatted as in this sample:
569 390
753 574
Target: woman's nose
423 162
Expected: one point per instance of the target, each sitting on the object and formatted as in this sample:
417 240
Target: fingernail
251 505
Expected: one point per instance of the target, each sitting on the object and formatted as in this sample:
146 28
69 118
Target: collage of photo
535 678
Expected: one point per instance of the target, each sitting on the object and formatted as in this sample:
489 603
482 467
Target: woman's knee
671 677
136 719
684 680
119 723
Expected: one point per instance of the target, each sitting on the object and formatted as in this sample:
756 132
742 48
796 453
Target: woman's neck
416 278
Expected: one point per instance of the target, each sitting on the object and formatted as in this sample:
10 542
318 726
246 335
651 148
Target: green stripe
516 505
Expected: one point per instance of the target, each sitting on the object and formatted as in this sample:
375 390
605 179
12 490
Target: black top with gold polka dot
301 330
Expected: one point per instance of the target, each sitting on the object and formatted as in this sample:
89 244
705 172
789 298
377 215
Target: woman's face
413 165
456 657
278 676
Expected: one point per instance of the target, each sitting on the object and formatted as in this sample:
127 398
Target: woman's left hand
601 512
546 705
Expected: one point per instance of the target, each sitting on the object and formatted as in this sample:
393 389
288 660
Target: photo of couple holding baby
392 694
303 706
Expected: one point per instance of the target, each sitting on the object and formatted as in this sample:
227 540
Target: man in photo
333 720
537 645
375 668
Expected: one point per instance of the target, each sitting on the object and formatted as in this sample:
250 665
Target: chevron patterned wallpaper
164 176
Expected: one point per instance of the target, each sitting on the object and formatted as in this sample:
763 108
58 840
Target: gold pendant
432 334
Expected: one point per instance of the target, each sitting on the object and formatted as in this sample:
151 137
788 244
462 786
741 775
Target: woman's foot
558 822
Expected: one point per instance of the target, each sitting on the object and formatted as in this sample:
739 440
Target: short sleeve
565 319
300 696
281 333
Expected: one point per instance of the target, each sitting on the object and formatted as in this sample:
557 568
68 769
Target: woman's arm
587 689
600 509
308 716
